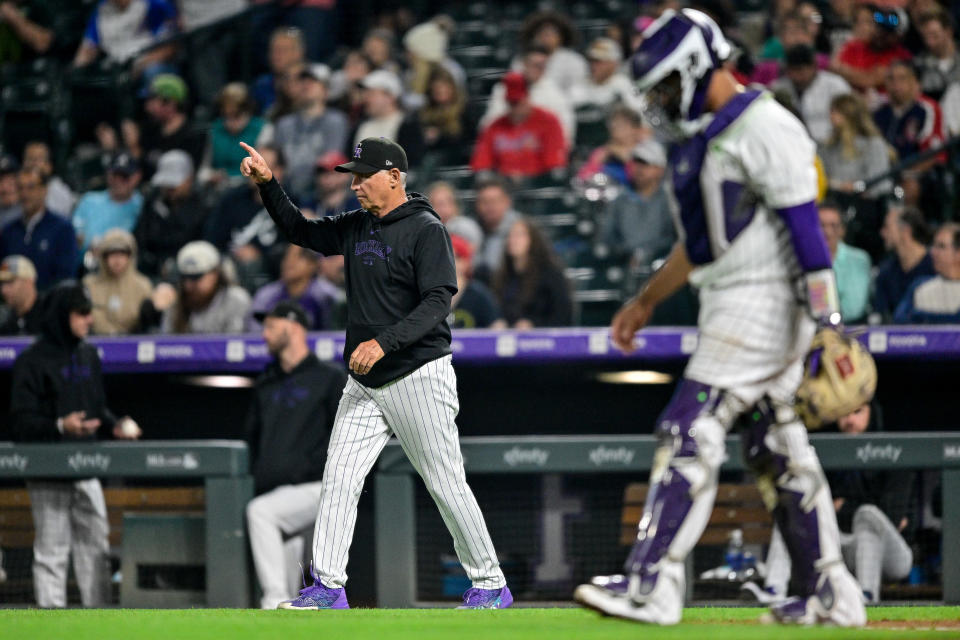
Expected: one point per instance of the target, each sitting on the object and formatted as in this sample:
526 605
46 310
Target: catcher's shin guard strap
804 508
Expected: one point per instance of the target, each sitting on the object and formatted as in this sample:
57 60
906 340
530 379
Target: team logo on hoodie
369 250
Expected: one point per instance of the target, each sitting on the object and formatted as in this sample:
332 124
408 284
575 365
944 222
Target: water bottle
734 554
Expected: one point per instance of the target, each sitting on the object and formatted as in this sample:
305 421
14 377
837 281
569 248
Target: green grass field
429 624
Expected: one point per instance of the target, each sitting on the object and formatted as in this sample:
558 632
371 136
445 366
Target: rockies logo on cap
375 154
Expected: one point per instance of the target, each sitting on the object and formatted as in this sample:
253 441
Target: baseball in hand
128 427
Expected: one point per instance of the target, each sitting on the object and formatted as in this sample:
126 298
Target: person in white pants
400 278
58 397
287 428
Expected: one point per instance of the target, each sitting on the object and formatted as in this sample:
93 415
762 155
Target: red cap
330 160
461 248
516 85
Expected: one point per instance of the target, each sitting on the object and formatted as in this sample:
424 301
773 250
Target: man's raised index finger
253 152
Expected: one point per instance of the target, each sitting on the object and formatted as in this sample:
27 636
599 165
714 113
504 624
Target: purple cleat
487 598
317 596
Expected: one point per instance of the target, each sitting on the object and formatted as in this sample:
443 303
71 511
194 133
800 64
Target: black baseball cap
286 309
375 154
124 163
8 164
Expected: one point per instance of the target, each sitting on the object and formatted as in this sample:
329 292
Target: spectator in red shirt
864 60
525 142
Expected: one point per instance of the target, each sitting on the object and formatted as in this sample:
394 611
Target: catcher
749 237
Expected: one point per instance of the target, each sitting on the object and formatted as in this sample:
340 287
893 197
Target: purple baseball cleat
317 596
487 598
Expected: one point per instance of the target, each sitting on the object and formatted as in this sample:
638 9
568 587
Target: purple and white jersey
752 160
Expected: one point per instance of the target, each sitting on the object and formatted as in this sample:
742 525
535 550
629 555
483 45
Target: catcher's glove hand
839 377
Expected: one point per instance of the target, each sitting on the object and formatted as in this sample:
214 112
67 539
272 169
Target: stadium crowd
525 133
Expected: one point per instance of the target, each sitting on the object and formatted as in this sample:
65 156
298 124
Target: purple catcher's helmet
672 68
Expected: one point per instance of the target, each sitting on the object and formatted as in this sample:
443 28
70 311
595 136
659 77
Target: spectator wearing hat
60 199
45 238
473 306
57 396
443 199
173 214
525 142
10 208
117 289
810 89
206 300
332 194
936 299
28 33
637 223
21 313
116 207
286 49
384 117
864 60
906 235
606 85
426 47
122 29
543 92
311 131
236 122
553 32
287 429
300 281
168 126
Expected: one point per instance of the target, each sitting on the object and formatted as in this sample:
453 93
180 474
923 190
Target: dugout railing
396 481
221 465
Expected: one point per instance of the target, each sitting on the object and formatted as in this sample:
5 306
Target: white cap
385 80
605 49
173 169
318 71
651 152
427 41
197 258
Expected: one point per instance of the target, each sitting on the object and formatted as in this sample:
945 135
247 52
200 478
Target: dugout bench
222 466
395 505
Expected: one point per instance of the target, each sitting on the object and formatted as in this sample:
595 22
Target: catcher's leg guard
683 485
795 490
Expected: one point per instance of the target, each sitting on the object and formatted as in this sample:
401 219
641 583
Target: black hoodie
57 375
400 277
289 422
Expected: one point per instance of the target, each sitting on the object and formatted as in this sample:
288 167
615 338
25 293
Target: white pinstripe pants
70 516
420 409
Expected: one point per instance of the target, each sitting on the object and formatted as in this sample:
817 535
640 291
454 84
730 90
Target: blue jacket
51 245
930 300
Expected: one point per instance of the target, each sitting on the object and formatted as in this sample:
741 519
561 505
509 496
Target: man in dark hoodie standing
400 278
288 429
58 396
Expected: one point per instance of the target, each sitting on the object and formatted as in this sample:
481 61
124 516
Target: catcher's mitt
839 377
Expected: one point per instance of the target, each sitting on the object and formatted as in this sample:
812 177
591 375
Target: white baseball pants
420 409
